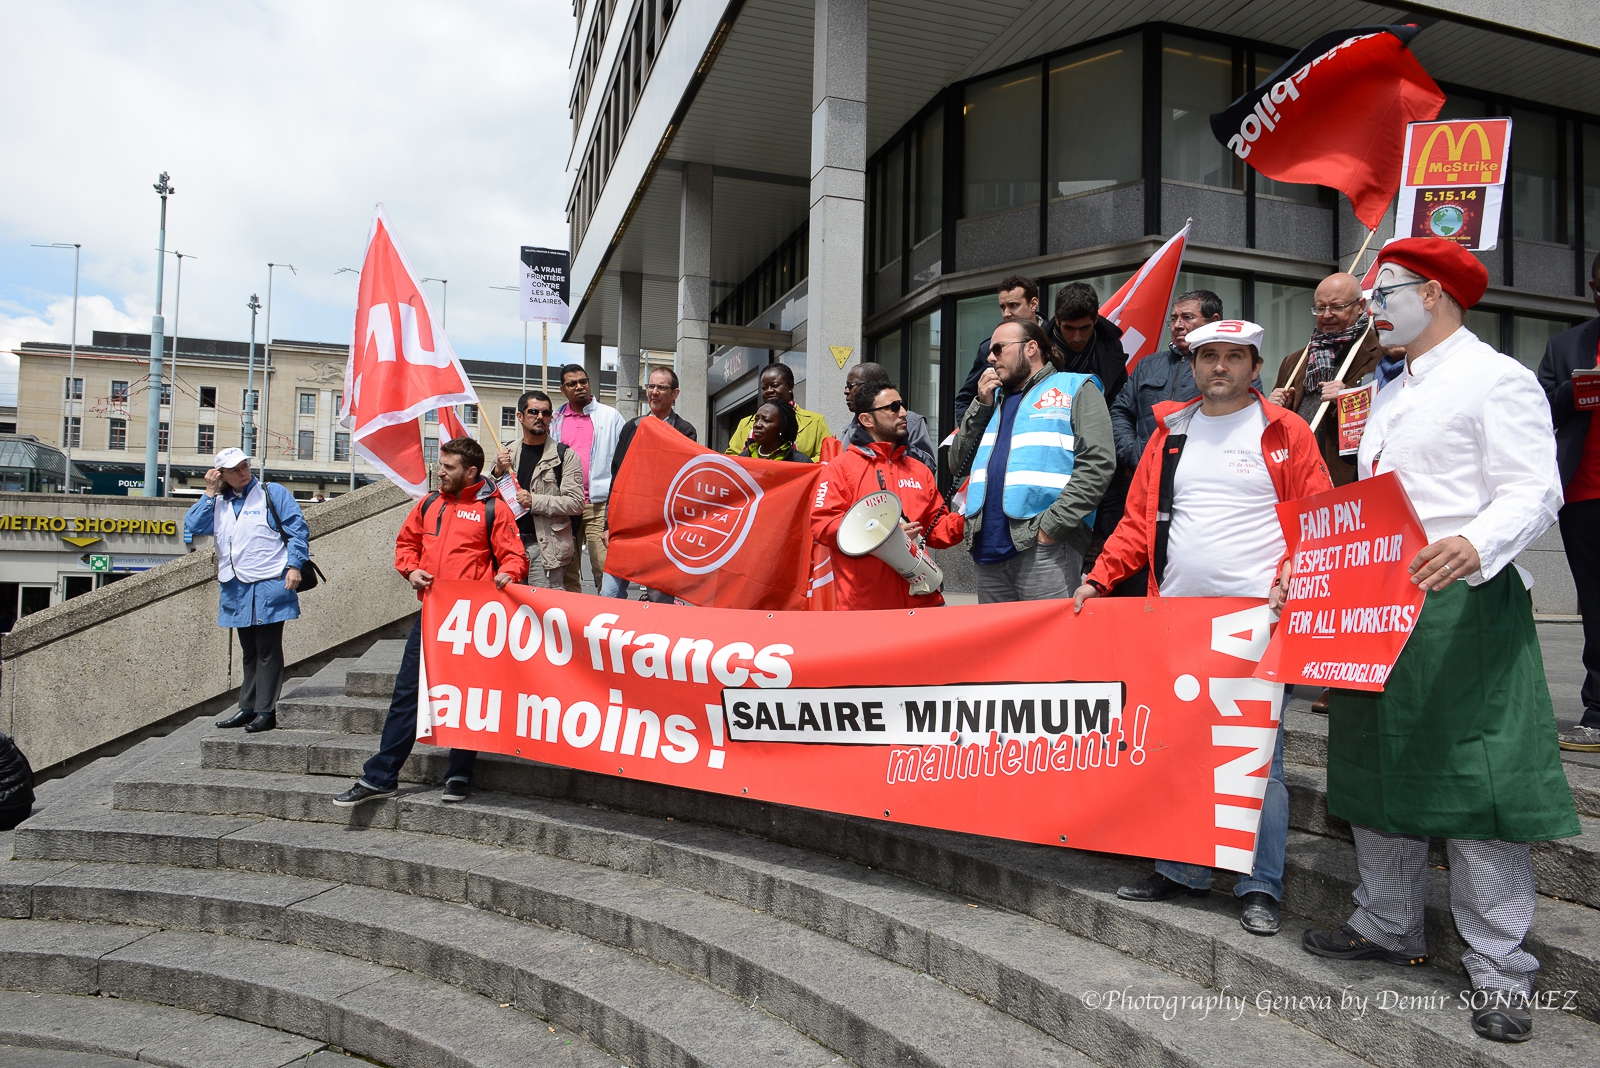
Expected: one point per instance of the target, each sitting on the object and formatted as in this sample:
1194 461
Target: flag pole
1344 369
1362 251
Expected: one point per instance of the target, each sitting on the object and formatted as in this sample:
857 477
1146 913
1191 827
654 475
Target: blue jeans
382 770
611 586
1272 835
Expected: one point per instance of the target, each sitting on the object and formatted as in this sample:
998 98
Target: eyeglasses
1380 295
1333 309
892 406
1000 346
655 388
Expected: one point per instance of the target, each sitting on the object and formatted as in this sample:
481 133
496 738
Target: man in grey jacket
549 486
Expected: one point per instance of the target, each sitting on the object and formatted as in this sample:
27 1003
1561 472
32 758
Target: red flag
400 365
1336 115
450 426
1140 306
713 530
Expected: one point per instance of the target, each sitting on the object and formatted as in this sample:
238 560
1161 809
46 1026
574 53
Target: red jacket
450 541
865 582
1294 462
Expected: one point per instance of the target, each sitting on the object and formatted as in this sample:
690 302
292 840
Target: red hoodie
1294 462
865 582
451 543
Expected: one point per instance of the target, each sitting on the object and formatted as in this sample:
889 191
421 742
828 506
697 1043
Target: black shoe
454 790
238 719
264 722
1157 888
360 794
1501 1016
1259 914
1347 944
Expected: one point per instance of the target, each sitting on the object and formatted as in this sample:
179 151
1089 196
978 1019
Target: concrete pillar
838 203
591 363
630 303
694 296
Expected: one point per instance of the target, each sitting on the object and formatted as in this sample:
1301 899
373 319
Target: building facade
821 181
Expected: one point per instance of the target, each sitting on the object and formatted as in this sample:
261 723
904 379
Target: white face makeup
1399 316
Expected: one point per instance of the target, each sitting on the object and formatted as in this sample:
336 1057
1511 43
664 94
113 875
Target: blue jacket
247 604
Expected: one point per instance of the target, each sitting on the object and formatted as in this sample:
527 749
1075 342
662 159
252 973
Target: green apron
1462 741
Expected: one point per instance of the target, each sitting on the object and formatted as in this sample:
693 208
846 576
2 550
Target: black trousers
1580 533
263 668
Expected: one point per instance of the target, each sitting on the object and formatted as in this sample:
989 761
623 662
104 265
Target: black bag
312 575
16 784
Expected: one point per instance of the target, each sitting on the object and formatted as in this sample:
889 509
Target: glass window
1271 187
927 179
1463 107
1591 187
249 400
890 180
341 447
1536 180
1230 290
886 350
1285 312
119 392
205 439
338 401
72 432
1001 123
508 417
430 450
162 434
1096 89
921 388
1196 80
208 396
1529 335
1486 325
308 404
431 416
119 434
306 446
166 394
72 390
469 414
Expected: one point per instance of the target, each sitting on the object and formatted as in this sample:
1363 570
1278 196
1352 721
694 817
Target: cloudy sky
281 122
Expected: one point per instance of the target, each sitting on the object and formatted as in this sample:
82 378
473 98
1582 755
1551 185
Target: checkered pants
1491 896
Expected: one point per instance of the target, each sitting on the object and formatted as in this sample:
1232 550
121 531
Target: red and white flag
1140 306
401 364
450 425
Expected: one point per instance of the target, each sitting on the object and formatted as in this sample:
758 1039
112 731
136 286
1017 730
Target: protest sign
1135 727
1586 389
1452 181
1351 604
1354 407
545 285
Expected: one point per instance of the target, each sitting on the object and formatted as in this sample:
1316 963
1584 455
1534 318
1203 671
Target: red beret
1456 270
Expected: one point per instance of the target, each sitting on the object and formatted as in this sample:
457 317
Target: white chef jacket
1468 431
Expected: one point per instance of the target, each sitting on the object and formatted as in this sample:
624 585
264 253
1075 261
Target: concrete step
372 675
1568 868
382 1013
1198 940
1305 741
73 1031
645 1013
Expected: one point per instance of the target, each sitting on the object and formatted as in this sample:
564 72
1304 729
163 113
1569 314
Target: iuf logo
1053 398
710 509
1471 152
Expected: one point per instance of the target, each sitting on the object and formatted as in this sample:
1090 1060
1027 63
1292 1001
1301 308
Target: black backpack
16 784
312 575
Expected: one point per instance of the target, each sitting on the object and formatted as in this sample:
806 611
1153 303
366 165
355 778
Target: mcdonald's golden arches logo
1468 151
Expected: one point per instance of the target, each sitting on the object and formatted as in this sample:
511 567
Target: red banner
713 530
959 718
1351 603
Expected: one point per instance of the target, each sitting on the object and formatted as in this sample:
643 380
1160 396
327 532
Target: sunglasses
892 406
1000 346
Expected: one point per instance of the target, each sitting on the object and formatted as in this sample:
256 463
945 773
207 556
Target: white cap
230 458
1237 331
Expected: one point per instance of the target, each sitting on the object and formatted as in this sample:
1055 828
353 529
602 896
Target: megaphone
872 527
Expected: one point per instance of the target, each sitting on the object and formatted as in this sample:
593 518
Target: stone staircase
561 917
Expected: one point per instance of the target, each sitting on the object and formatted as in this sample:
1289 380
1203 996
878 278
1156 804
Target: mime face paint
1399 316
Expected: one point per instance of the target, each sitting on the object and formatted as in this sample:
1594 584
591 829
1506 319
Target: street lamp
73 394
444 301
266 368
515 289
172 413
250 384
152 433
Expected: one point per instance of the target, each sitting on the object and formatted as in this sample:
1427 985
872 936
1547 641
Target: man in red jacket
1202 513
865 582
454 533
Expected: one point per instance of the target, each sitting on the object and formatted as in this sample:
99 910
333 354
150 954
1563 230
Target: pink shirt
577 434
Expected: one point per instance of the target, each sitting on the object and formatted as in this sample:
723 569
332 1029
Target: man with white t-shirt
1202 514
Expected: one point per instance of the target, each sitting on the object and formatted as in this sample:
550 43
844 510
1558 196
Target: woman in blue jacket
262 545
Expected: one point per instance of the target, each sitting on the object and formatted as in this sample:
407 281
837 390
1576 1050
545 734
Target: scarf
1389 368
1320 366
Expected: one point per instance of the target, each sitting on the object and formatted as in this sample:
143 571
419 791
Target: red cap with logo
1458 272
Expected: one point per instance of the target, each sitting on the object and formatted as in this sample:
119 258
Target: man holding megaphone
886 574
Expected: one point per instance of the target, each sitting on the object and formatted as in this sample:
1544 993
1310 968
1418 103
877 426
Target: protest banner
1453 180
1351 604
1136 727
